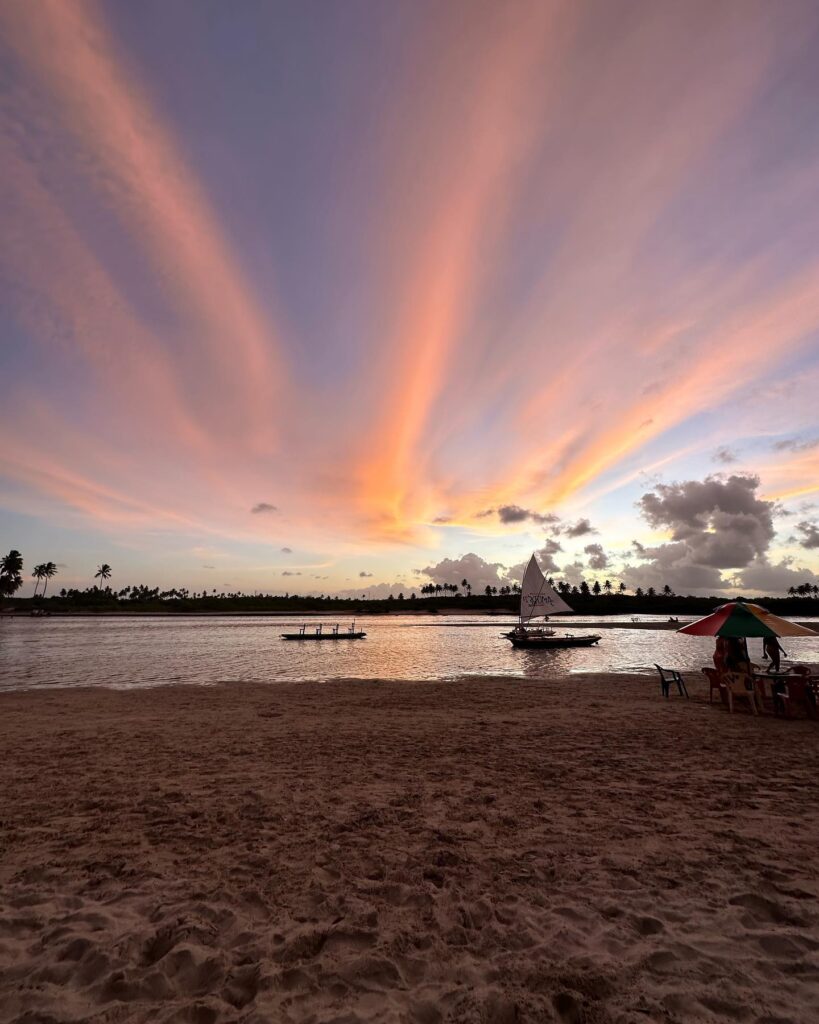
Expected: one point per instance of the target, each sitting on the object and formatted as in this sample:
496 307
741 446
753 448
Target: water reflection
148 652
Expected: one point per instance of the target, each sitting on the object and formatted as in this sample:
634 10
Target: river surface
133 652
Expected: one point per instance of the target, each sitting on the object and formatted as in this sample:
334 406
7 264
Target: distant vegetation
608 598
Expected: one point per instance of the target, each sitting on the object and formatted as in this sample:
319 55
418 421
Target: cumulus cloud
545 555
810 534
724 455
721 523
287 551
666 569
365 575
263 508
763 577
578 529
573 573
715 524
471 567
545 558
516 514
598 559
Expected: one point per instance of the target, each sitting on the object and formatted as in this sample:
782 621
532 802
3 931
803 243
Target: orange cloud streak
461 215
735 354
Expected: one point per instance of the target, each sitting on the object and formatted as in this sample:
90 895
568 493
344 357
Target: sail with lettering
536 596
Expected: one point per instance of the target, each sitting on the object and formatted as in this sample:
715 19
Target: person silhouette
771 649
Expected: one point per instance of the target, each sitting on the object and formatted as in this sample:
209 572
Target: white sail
536 596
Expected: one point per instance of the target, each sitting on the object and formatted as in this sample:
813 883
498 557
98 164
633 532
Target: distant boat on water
537 597
318 634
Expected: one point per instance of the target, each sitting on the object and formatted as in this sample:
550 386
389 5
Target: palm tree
103 573
38 574
49 570
11 568
622 588
466 587
667 591
607 587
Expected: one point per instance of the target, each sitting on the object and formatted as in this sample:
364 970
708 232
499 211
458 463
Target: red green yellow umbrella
743 619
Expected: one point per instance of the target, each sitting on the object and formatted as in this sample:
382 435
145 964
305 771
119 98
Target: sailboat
537 597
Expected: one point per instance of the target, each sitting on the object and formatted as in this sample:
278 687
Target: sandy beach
575 850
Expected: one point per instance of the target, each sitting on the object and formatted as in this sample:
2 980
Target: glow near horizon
382 266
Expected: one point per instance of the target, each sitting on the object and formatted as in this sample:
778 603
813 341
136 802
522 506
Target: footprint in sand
761 909
648 925
242 985
568 1008
160 944
190 973
372 972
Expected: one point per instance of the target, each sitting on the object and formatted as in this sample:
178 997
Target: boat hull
323 636
552 643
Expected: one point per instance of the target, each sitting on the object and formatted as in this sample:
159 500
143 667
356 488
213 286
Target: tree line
604 599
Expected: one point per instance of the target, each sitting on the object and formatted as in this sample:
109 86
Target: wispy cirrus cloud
88 112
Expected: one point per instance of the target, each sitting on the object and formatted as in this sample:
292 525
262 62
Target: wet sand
575 850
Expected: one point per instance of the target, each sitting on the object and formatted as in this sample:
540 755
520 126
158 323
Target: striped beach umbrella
743 619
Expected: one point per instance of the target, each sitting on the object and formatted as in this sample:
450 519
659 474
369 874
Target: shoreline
490 850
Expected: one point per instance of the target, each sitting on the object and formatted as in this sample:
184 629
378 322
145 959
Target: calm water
150 652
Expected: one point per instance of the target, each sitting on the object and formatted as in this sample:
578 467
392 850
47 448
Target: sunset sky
340 296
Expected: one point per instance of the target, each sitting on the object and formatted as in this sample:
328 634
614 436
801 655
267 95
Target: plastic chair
669 676
713 684
801 690
743 687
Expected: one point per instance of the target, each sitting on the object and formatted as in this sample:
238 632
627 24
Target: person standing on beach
771 649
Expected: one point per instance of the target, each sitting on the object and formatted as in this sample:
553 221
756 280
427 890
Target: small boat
318 634
537 597
549 641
